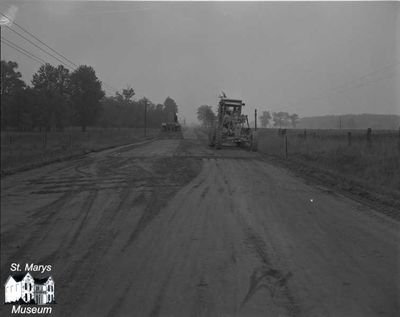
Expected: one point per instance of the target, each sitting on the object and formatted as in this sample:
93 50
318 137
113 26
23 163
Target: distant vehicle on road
170 127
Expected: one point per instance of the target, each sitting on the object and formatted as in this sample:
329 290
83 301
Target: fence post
369 141
349 138
399 139
286 147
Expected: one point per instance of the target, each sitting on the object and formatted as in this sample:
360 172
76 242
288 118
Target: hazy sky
312 58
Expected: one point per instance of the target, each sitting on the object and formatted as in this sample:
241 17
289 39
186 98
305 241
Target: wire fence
24 148
371 155
288 142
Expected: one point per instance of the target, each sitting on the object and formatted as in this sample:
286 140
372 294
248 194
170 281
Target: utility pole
145 117
255 120
1 79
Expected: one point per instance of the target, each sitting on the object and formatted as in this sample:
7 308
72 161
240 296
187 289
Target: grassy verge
369 169
21 151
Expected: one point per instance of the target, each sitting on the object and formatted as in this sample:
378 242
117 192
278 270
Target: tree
116 112
265 118
12 91
143 107
128 93
294 119
281 119
170 109
11 79
86 94
110 112
52 84
205 115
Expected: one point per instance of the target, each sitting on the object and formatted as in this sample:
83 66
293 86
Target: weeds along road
173 228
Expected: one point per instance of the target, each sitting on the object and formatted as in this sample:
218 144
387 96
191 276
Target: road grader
232 127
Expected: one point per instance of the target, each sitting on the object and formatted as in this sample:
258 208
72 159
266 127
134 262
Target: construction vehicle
171 129
232 127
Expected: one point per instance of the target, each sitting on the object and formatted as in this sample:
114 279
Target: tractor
171 128
232 127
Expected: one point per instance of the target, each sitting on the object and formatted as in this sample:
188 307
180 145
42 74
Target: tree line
58 98
279 119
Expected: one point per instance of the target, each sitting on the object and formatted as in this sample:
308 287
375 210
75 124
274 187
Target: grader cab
232 127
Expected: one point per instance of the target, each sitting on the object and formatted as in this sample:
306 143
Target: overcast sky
312 58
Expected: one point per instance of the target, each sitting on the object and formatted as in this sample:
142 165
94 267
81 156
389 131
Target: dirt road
172 228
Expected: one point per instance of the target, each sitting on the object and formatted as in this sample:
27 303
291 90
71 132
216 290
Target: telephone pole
145 117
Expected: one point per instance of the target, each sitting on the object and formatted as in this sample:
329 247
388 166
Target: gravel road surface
171 227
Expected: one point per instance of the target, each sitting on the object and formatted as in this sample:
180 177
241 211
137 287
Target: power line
40 60
33 43
39 40
34 57
21 50
111 88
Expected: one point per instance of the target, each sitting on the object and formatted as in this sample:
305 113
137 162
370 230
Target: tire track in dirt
268 277
39 217
69 243
149 213
151 210
116 306
155 312
84 267
264 276
173 173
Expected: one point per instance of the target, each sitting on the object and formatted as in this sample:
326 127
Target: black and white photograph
200 158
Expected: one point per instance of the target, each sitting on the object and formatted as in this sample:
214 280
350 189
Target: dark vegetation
64 114
58 98
206 116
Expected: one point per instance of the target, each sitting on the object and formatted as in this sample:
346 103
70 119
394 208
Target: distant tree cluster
122 111
206 115
59 98
279 119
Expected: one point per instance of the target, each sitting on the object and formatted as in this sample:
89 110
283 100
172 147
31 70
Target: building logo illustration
25 289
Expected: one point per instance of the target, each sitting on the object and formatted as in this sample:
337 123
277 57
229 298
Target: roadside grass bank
25 150
367 166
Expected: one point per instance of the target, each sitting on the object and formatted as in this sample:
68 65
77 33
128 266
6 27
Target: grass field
375 163
26 149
